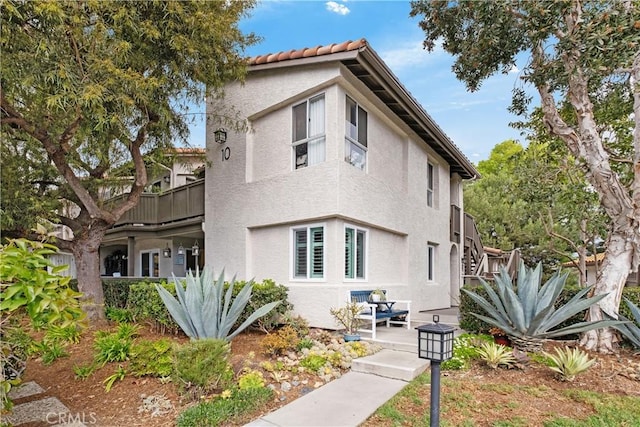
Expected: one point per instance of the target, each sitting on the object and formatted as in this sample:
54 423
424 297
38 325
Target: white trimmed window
355 252
356 135
430 183
308 252
308 132
431 261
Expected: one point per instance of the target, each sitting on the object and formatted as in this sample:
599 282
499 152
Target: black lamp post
435 343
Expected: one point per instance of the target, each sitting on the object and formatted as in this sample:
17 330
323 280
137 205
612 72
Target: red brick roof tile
307 52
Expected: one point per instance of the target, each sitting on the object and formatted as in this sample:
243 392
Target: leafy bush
203 312
146 306
251 379
119 315
225 410
116 346
202 367
279 342
313 362
151 358
263 293
465 349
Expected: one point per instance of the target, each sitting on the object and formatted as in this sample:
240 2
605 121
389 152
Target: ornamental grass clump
527 312
569 362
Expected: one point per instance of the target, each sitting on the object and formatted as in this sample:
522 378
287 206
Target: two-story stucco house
342 182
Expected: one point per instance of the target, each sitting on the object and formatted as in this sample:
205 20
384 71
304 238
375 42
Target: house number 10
226 153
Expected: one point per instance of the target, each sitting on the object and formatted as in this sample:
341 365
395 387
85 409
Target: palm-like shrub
202 311
569 362
528 314
631 330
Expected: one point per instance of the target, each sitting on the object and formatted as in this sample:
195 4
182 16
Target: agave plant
202 311
631 330
495 355
528 314
569 362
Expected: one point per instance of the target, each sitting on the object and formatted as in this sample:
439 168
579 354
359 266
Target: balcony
171 206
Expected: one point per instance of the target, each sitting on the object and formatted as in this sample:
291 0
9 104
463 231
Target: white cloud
514 69
409 55
338 8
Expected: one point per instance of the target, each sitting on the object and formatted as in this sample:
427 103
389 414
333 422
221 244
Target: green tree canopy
98 84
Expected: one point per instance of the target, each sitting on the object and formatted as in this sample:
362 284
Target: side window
355 247
355 135
308 253
308 132
431 261
430 184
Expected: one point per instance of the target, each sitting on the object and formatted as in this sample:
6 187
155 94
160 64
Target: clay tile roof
307 52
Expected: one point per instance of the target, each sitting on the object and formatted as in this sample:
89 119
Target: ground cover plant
525 393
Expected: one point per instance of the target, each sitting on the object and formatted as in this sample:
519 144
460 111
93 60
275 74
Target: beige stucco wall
254 196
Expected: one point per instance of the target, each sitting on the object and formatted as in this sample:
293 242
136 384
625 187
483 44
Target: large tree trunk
615 269
85 249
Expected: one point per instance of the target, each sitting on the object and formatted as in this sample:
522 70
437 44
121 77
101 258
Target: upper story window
356 135
430 184
355 247
308 252
308 132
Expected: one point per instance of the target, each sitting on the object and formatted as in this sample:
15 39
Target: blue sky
476 122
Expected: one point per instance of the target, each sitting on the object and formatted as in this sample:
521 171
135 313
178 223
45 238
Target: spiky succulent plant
527 313
631 330
202 311
569 362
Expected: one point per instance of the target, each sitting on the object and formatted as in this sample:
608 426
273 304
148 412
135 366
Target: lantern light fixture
167 251
435 343
220 136
180 249
195 249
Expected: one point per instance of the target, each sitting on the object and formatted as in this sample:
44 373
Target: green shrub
313 362
202 367
263 293
279 342
152 358
223 410
145 304
116 291
251 379
465 349
116 346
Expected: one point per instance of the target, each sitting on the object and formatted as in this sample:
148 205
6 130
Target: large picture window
356 135
355 246
308 252
308 132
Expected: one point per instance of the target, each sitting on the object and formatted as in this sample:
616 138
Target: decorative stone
285 386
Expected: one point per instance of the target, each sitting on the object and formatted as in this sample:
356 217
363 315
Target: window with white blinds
308 132
308 252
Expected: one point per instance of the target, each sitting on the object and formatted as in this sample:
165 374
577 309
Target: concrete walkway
352 399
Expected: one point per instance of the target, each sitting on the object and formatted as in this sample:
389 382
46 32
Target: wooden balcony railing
176 204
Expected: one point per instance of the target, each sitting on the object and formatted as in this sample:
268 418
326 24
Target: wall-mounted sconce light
167 252
195 249
180 249
220 136
167 179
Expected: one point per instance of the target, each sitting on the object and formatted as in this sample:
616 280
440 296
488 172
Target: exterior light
167 252
195 249
167 179
435 343
180 249
220 136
